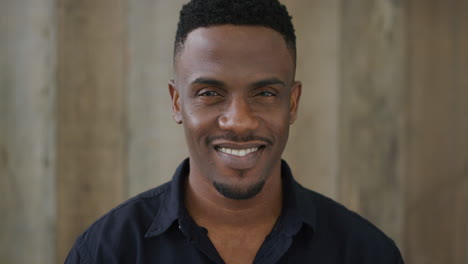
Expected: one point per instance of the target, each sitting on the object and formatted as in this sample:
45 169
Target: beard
237 193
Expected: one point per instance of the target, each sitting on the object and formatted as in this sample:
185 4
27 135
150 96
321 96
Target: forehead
234 51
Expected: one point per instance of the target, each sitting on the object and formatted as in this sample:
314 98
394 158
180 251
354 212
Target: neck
210 209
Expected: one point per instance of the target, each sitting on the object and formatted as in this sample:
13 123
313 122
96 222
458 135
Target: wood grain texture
155 142
372 112
91 148
312 147
437 183
27 122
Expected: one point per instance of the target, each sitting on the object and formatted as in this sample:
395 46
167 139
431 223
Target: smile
237 152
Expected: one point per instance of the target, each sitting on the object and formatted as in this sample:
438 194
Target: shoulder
127 222
140 209
345 228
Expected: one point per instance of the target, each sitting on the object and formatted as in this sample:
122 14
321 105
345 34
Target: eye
208 93
266 93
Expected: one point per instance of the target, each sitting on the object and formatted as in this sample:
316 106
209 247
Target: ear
175 102
296 91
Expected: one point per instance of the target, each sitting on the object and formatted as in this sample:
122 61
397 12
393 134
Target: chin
238 193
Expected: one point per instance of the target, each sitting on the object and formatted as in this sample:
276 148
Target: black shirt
155 227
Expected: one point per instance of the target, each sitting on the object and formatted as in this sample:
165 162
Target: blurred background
85 116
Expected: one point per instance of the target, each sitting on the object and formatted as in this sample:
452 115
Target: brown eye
266 93
208 93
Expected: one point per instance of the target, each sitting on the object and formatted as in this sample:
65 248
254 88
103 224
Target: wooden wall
437 153
312 148
91 156
372 111
27 131
85 117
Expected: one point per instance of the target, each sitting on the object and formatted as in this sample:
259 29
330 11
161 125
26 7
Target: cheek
199 119
198 123
278 124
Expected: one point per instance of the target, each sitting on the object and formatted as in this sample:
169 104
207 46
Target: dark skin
235 94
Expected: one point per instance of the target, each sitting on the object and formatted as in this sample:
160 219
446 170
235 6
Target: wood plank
437 191
91 106
437 229
312 148
436 96
27 122
156 143
372 112
460 201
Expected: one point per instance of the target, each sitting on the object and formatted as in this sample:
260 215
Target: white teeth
238 152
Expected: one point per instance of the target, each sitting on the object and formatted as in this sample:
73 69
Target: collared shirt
155 227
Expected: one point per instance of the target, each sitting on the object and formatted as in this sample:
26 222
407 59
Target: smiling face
235 93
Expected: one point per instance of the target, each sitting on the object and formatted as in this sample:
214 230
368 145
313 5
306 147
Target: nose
238 117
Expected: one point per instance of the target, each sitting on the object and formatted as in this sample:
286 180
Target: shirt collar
297 207
172 207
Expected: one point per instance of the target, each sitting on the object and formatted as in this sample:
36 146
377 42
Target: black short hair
204 13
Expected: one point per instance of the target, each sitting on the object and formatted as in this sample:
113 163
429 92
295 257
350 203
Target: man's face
235 94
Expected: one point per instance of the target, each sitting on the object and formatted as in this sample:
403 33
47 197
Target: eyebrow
266 82
208 81
214 82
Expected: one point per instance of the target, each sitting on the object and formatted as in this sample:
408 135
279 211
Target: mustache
230 136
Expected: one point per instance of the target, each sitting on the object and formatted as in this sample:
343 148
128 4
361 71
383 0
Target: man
233 200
